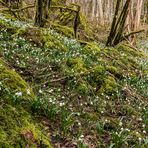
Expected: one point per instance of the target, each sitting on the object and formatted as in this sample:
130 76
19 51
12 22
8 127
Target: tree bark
118 24
42 8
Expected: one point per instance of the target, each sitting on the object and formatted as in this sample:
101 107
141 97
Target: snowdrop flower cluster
15 23
18 94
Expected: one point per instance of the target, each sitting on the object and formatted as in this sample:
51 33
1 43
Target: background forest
74 73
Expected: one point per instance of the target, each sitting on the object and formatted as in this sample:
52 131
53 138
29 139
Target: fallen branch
62 7
131 33
21 9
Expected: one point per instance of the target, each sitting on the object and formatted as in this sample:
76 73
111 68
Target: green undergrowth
12 81
17 127
63 18
92 95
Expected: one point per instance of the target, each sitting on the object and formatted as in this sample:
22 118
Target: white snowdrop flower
53 102
51 90
50 100
63 97
78 114
62 104
143 125
127 130
18 94
80 139
28 92
79 123
102 112
40 91
120 123
140 119
144 132
122 129
139 139
107 97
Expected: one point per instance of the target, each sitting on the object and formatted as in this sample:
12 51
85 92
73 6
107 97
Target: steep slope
17 126
91 95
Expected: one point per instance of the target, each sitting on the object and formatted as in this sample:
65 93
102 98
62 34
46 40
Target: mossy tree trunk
118 24
77 21
42 7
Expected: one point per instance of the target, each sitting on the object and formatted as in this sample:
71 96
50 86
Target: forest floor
85 95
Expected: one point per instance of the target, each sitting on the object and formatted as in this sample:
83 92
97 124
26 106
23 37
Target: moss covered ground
86 95
17 126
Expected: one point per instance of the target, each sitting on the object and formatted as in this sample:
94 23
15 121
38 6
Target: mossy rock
17 126
109 85
75 65
18 129
11 81
33 34
92 48
51 42
67 31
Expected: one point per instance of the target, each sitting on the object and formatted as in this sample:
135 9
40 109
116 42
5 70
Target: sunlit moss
53 43
12 81
67 31
75 65
109 85
17 128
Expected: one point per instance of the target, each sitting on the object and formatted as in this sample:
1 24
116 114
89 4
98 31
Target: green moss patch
17 127
13 82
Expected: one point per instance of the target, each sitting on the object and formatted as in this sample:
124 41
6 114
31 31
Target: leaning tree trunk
118 24
112 31
42 8
136 20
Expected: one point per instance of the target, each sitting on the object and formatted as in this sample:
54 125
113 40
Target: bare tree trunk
101 12
93 9
118 24
134 19
42 7
114 22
